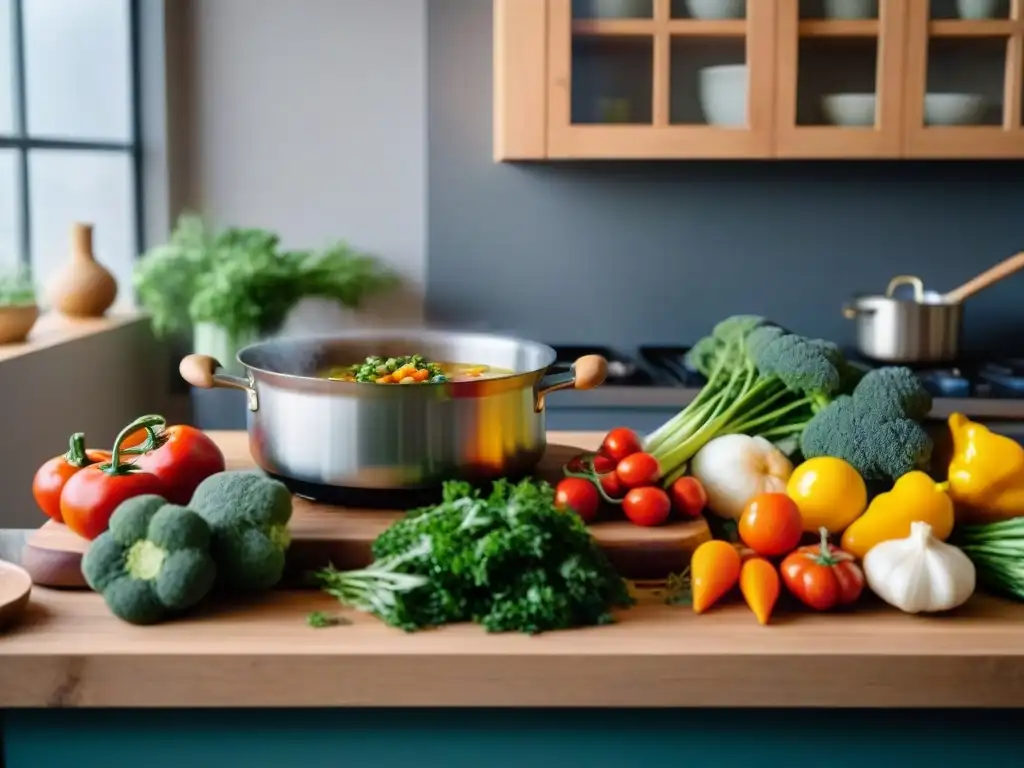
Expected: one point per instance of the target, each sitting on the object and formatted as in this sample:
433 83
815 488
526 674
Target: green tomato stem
76 451
149 423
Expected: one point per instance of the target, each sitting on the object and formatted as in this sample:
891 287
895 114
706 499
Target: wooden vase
83 287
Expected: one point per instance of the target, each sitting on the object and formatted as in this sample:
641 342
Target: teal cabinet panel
505 738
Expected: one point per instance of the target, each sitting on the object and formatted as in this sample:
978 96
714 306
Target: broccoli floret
248 514
701 356
759 339
872 429
152 560
706 354
803 365
898 385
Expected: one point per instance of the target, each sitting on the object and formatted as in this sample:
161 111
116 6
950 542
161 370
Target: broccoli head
248 514
895 385
870 430
803 365
152 560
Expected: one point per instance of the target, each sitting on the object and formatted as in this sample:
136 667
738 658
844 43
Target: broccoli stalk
761 381
152 560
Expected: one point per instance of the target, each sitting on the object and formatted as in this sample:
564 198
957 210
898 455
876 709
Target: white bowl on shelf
979 9
723 95
716 9
851 109
851 9
953 108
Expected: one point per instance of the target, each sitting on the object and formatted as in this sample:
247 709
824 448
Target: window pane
77 70
94 187
10 209
6 75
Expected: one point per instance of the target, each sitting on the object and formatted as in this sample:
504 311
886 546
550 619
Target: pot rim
877 298
395 334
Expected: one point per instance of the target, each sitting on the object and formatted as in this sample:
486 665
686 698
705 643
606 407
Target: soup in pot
411 369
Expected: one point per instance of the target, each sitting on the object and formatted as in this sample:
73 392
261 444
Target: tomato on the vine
638 469
647 506
611 485
620 443
579 495
52 476
688 496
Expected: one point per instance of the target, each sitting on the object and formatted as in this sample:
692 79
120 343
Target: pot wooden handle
590 371
198 370
1001 270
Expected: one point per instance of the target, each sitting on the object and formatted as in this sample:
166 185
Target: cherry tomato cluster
821 576
622 474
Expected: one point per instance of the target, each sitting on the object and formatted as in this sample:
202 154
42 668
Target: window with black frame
69 133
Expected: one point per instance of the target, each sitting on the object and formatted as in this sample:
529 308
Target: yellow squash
986 473
915 498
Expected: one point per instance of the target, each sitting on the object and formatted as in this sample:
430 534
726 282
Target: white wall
308 117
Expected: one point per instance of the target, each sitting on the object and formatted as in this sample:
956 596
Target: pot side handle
588 372
201 371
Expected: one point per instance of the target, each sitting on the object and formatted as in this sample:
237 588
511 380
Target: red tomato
585 462
612 485
620 443
579 495
688 496
647 506
185 458
771 524
91 495
51 477
823 576
638 469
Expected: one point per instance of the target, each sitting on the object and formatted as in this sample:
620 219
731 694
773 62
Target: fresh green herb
678 589
16 288
997 551
243 281
321 620
508 560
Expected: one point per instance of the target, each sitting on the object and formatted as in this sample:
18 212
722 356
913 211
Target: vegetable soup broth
412 369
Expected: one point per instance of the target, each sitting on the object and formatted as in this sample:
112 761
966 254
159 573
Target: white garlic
920 574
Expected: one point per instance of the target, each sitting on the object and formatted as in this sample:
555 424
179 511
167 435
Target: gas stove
659 376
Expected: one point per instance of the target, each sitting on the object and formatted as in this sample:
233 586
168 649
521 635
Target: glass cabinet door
660 78
965 68
839 84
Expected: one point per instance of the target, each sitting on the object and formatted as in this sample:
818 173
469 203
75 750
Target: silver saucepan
322 433
921 329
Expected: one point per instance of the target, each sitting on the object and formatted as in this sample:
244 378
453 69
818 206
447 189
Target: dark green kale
508 560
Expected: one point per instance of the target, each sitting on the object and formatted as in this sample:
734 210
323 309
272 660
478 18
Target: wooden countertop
69 651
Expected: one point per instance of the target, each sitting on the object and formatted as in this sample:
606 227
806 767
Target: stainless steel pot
924 329
339 434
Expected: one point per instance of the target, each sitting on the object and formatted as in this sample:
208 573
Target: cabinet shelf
639 79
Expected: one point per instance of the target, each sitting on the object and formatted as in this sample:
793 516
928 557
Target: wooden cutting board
323 534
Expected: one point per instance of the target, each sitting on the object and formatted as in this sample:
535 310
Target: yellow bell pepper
986 472
915 498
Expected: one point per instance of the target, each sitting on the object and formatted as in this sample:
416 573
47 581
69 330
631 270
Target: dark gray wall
623 253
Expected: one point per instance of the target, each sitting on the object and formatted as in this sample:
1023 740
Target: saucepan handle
914 282
850 311
587 372
201 371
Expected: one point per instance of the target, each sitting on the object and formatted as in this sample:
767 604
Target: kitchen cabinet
648 79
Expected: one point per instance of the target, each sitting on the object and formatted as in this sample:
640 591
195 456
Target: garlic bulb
735 468
919 574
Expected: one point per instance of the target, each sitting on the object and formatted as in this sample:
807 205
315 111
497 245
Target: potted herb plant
18 308
235 286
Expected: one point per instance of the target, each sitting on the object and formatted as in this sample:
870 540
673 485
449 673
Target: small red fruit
688 496
638 469
579 495
612 485
647 506
620 443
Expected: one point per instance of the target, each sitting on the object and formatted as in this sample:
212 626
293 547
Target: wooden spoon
990 276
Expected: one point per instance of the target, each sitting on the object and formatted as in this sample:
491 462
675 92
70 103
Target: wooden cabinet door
964 80
646 81
839 82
